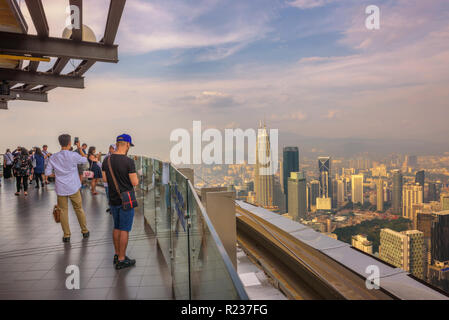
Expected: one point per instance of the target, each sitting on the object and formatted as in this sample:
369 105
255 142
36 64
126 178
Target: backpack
18 164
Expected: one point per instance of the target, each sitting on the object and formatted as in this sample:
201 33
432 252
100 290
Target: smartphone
76 140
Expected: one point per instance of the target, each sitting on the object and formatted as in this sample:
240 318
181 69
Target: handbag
57 213
89 174
128 198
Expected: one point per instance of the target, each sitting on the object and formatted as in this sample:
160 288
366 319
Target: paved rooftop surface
33 259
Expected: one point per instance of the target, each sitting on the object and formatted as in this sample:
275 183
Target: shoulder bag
128 198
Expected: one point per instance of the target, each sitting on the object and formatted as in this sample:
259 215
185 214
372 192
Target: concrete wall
220 207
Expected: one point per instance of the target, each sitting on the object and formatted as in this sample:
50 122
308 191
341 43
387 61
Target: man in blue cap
125 175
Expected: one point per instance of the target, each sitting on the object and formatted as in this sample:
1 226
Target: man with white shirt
64 166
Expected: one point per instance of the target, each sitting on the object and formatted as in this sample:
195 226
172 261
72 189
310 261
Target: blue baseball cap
125 137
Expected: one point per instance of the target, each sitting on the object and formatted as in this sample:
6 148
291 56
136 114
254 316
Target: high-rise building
420 178
412 161
432 194
397 192
324 167
263 178
444 199
278 196
290 163
314 192
380 195
411 195
341 192
439 275
357 188
404 250
362 243
440 236
297 194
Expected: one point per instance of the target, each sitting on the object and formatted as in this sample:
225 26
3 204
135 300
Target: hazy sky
309 67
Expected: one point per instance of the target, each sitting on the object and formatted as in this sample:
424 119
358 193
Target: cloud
308 4
211 99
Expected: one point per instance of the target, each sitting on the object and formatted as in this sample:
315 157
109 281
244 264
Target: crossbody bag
128 198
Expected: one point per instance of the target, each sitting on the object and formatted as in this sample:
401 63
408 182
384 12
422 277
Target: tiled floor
33 259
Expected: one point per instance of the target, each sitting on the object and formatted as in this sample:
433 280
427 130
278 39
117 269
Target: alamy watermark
373 279
372 22
265 142
73 280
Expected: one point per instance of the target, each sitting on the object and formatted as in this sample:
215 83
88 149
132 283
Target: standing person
94 159
8 159
22 167
63 165
112 149
81 167
33 164
46 158
124 171
39 169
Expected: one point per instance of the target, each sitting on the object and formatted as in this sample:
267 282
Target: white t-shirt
64 165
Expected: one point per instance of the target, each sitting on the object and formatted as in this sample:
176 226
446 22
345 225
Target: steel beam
114 15
57 47
37 13
41 78
29 96
18 15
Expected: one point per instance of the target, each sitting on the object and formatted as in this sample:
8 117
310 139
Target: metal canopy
28 84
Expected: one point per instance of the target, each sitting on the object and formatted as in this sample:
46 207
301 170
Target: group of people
119 175
71 168
26 166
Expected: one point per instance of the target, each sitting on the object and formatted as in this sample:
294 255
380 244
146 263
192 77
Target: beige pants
77 205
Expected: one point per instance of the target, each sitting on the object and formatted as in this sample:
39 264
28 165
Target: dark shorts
123 220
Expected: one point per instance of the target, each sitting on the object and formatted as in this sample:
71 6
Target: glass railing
199 264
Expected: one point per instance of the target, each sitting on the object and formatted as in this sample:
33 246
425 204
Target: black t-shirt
122 167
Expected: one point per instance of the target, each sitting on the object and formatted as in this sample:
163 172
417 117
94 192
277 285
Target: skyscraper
419 178
397 192
432 194
263 178
290 163
440 236
297 193
404 250
411 195
341 191
324 167
314 192
357 188
380 195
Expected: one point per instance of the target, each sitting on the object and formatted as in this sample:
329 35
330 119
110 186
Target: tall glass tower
324 166
290 163
397 192
264 179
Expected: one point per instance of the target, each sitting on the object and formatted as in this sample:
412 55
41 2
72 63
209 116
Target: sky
310 68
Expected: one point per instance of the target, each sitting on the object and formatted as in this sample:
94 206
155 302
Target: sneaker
115 259
125 263
66 239
86 235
